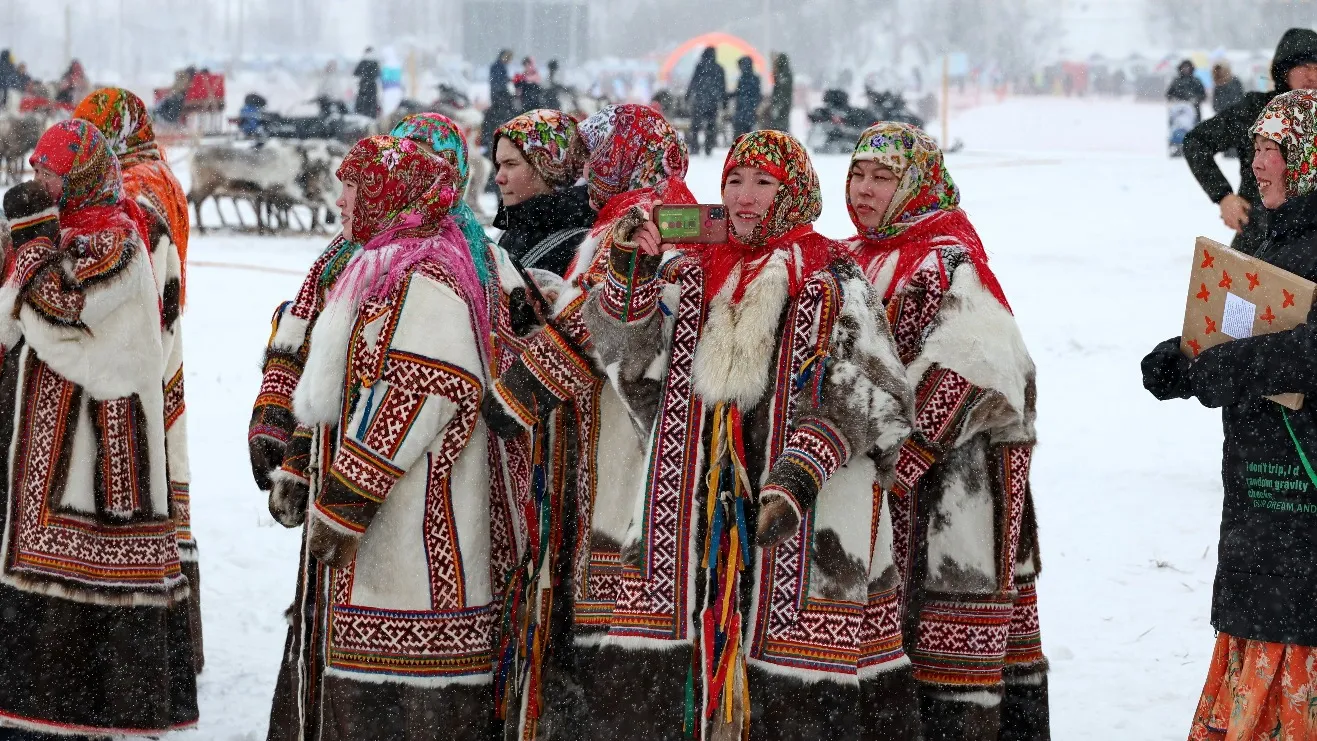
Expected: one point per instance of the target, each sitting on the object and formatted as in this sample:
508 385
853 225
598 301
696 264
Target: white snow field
1090 227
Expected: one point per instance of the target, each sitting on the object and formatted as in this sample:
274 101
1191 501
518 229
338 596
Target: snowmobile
334 121
1181 118
836 125
886 105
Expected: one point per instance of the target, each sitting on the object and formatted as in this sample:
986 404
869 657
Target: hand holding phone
691 224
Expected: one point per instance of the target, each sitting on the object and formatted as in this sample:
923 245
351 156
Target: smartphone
695 224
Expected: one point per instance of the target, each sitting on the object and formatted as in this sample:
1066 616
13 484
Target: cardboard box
1233 296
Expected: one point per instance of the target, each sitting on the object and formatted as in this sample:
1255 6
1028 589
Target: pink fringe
385 261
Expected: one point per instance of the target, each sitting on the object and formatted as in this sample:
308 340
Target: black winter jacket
545 230
708 89
1228 129
1227 94
749 94
1266 579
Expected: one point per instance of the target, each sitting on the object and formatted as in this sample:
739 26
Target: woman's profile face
872 187
1269 169
748 195
346 202
50 182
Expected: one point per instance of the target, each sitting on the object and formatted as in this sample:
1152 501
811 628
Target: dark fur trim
638 694
952 720
362 711
1025 715
845 574
889 707
788 709
192 570
170 303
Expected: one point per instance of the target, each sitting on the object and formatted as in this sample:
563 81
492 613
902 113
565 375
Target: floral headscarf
924 214
923 184
125 121
631 147
550 143
78 152
395 177
1290 120
798 201
445 137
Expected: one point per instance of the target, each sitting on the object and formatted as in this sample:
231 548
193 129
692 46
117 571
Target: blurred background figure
780 100
368 88
527 84
706 96
749 94
1187 88
1227 90
502 104
73 85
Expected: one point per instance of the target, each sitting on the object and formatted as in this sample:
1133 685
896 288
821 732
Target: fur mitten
288 499
333 547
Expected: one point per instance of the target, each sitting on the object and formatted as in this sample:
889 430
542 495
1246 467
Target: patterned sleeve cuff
31 257
57 302
912 463
630 291
558 364
813 453
357 484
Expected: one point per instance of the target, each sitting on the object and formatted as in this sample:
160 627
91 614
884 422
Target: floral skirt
1257 690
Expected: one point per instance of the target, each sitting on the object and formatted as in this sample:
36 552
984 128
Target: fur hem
983 698
468 680
589 640
187 551
319 393
804 676
637 643
1030 676
283 474
333 524
67 729
885 667
291 333
176 590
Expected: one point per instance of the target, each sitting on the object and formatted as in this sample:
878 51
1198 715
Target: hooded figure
368 85
1295 61
970 451
707 96
1188 88
126 123
94 628
543 230
1262 682
748 95
764 381
782 97
403 527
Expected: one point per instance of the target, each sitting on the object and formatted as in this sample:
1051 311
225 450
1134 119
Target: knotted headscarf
1290 120
93 196
445 137
550 142
787 228
925 212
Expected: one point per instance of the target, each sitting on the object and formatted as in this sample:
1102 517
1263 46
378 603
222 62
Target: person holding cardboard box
1264 602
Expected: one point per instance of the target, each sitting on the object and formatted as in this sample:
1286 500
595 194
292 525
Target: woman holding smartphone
771 398
961 506
1262 682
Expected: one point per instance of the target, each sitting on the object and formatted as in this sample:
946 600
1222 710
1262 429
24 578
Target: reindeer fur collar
734 357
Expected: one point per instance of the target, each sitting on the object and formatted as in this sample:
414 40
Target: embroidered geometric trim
962 643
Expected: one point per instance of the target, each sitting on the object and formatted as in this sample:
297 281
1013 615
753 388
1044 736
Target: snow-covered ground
1090 228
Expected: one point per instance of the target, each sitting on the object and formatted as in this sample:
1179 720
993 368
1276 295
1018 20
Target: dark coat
1227 94
1266 579
368 91
1187 88
748 95
545 230
1228 129
708 89
780 100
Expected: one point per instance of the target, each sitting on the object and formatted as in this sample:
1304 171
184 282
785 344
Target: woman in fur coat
556 389
1262 681
962 510
767 386
94 635
403 537
125 121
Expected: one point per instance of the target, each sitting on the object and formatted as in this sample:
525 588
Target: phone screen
679 222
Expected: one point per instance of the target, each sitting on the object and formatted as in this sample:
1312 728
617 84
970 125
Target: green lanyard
1312 475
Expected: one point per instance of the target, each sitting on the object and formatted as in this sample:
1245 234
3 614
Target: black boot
1024 710
889 704
956 720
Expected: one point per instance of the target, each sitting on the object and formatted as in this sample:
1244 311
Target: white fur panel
465 680
619 466
875 341
882 557
122 354
737 347
962 533
806 676
290 332
319 393
979 339
845 506
10 328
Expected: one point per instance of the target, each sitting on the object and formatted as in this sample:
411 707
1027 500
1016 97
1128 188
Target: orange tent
680 64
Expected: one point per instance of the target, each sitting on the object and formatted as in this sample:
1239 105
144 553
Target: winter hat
631 147
445 137
1290 120
124 120
798 201
550 142
1297 47
79 153
923 184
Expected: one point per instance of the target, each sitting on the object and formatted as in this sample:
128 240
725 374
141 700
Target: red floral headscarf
798 201
631 147
925 212
92 198
787 228
550 143
395 179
